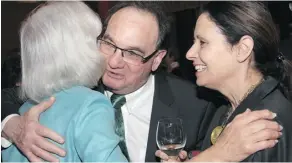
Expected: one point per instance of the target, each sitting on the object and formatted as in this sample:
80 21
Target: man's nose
116 59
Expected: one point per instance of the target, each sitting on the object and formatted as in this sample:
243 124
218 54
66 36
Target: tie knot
118 101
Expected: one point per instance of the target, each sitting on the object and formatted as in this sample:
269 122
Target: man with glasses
135 58
133 42
134 47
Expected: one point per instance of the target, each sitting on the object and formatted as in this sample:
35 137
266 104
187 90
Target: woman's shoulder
80 93
90 96
84 101
279 104
79 98
277 101
80 90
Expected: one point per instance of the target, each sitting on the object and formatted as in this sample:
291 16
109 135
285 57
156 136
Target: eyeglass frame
144 59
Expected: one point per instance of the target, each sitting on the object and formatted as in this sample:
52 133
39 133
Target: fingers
30 140
45 144
165 158
244 113
183 155
161 155
262 145
266 134
249 117
46 132
43 154
32 158
259 125
38 109
50 147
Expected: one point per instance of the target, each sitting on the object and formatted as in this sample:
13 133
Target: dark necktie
118 101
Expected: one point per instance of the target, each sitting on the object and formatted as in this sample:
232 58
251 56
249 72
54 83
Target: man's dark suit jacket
174 97
10 101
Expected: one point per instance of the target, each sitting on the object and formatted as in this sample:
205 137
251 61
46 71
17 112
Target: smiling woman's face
213 57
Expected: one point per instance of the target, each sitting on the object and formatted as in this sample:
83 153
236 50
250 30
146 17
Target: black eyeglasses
128 55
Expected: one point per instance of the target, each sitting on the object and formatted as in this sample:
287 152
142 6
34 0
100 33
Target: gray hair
59 50
153 7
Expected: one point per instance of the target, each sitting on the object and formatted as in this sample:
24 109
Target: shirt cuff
4 142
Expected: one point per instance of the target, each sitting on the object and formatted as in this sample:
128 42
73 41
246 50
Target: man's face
137 31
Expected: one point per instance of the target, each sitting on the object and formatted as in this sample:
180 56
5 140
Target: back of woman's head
58 49
239 18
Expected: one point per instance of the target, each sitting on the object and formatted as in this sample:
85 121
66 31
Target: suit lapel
162 101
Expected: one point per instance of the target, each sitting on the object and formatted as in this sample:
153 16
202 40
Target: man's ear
158 59
245 48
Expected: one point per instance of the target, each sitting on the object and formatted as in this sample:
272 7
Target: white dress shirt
136 114
4 142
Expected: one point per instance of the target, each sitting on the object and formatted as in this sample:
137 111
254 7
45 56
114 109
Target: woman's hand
248 133
165 158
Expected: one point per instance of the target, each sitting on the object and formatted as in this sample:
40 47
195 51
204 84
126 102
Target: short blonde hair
59 50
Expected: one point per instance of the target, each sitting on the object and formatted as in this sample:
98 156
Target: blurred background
183 14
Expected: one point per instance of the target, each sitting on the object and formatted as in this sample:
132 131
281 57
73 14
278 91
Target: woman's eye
202 42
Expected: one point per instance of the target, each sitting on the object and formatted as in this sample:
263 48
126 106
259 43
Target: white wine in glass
170 137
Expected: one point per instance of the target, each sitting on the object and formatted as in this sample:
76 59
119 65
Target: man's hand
30 137
248 133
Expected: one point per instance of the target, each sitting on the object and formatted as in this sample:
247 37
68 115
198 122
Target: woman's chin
200 83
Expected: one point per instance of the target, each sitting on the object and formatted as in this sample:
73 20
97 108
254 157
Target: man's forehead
130 11
135 30
129 46
133 16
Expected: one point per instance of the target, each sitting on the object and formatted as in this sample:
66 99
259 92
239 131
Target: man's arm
5 143
8 106
27 134
9 109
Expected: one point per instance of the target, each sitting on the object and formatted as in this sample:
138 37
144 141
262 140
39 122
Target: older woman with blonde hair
60 58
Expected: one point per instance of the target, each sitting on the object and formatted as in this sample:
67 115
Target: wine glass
170 137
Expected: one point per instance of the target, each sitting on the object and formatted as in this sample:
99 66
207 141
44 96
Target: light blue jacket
85 118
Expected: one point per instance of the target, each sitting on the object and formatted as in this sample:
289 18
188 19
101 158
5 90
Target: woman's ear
245 48
158 59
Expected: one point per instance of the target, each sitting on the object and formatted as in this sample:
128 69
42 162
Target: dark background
184 15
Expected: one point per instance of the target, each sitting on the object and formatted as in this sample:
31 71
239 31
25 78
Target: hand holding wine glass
182 156
170 137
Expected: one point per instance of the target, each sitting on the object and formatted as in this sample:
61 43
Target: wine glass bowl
170 137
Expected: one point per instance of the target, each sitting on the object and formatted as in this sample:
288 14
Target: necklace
218 130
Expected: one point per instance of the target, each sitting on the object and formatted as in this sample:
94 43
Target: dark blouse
265 96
